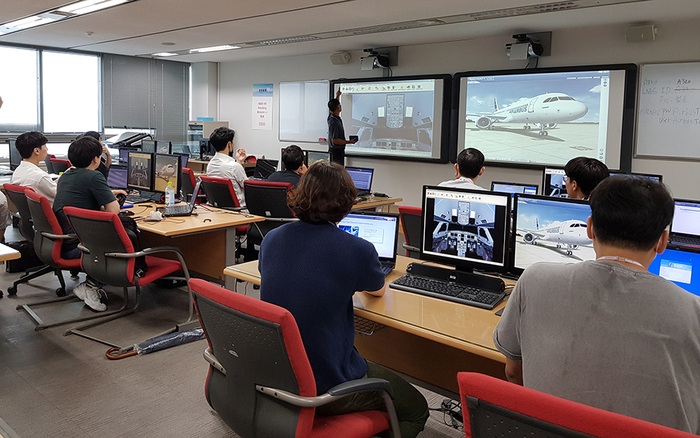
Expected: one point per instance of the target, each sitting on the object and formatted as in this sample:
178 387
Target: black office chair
267 199
59 165
411 218
26 229
49 164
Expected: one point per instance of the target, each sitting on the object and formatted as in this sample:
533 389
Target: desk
208 247
423 337
7 253
376 202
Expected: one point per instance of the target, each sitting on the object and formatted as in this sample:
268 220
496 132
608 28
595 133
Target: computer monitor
264 168
658 178
140 171
148 146
185 158
513 188
315 156
168 168
549 229
206 150
362 177
15 157
465 228
679 267
164 147
117 176
553 182
124 154
181 149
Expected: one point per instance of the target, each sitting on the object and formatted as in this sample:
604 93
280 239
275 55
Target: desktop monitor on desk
148 146
549 229
164 147
15 157
316 156
206 150
124 154
140 171
513 188
167 168
465 228
553 182
657 178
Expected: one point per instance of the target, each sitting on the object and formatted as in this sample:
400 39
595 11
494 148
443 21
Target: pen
127 206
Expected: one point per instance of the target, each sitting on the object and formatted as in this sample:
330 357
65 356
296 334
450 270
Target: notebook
362 177
685 228
380 229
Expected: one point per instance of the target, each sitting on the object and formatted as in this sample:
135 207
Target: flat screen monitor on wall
546 116
397 118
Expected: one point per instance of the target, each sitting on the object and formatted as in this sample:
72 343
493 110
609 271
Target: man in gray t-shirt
608 333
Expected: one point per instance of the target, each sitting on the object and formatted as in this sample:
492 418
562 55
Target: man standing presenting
336 132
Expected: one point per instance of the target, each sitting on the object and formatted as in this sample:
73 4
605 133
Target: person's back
223 165
32 148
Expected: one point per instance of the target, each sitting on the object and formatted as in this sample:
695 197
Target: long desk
376 203
207 240
7 253
423 337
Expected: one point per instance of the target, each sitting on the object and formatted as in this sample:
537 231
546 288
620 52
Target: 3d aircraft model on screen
545 110
571 233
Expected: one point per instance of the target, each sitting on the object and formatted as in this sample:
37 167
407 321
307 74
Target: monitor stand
485 282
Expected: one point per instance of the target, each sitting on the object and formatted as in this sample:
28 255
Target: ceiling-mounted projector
374 60
523 48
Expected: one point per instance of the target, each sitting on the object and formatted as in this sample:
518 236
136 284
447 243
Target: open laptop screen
361 177
380 230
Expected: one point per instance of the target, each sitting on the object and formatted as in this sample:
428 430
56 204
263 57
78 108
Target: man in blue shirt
336 131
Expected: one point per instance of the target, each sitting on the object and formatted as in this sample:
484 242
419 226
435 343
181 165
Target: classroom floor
63 386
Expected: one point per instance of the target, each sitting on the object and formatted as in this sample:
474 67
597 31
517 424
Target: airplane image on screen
545 110
571 233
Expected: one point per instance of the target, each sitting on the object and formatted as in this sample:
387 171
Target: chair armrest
156 250
83 248
209 357
361 385
410 248
59 236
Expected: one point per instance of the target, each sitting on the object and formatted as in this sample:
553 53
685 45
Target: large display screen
547 116
401 117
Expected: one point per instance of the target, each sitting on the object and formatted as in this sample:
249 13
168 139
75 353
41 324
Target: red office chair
48 241
251 159
17 196
109 258
260 381
411 218
267 199
496 408
59 165
221 194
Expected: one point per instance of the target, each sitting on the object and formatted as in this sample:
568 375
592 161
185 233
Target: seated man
607 333
106 158
81 186
293 159
32 148
469 166
223 165
583 174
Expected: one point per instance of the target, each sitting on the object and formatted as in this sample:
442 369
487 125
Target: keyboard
387 267
683 240
459 293
177 210
5 172
136 199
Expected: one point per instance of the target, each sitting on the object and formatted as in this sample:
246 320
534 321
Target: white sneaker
79 290
92 300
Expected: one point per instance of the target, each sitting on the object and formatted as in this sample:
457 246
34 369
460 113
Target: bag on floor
28 258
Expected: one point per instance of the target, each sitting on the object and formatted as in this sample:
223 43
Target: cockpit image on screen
553 183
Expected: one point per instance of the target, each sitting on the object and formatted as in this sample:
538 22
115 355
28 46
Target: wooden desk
376 203
7 253
207 241
423 337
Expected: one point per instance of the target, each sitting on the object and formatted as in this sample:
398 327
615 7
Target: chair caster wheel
12 290
60 292
1 294
74 275
256 286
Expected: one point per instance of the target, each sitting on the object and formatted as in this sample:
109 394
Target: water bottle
169 194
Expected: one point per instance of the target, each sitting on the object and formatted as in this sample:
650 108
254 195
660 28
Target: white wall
205 94
600 45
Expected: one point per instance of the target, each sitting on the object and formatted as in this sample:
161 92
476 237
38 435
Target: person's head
83 152
221 138
583 174
32 144
630 212
324 194
470 163
335 106
293 157
94 134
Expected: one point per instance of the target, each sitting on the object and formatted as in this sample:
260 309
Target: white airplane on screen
545 110
571 233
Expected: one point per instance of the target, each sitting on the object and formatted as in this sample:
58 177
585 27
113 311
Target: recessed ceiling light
213 49
164 54
168 43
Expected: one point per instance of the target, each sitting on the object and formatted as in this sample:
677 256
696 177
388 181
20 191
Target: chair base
30 275
39 323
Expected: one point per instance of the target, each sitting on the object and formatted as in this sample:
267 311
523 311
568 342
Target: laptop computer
679 267
182 209
362 177
380 229
685 228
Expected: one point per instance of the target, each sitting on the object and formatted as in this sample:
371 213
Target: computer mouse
127 212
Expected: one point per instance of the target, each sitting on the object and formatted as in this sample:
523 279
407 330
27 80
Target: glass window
71 92
18 89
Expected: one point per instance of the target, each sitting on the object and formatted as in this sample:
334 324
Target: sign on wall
262 106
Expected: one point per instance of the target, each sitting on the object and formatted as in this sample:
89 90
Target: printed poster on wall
262 106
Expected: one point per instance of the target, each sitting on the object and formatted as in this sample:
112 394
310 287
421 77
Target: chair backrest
410 223
102 232
188 182
45 221
49 164
268 199
493 408
59 165
220 192
257 343
17 196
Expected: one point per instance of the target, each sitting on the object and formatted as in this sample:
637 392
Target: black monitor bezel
179 172
512 269
152 161
628 110
468 265
446 113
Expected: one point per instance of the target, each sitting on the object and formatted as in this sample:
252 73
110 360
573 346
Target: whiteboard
303 111
668 115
